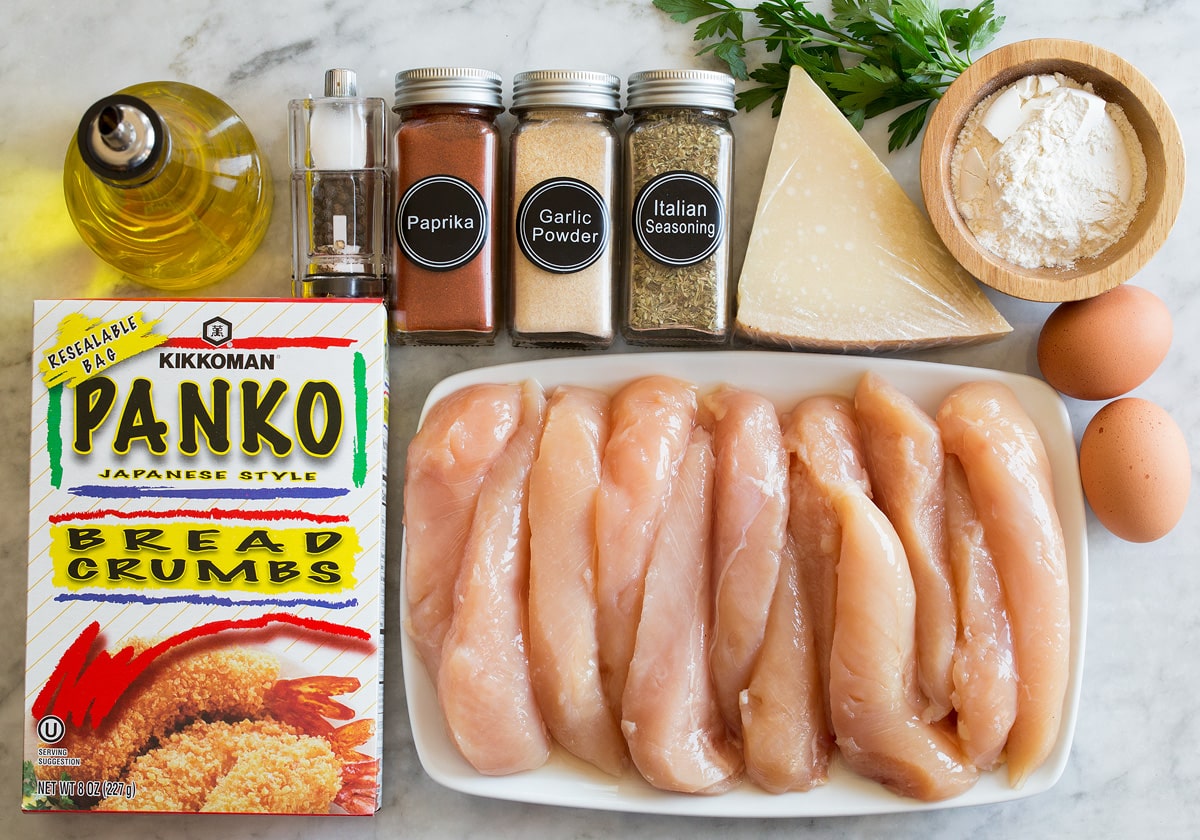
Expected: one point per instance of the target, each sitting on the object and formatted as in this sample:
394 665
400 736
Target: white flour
1044 173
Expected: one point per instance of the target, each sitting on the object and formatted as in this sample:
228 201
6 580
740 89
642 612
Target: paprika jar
563 169
447 145
679 188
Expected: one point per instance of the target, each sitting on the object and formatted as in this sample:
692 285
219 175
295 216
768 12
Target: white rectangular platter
785 378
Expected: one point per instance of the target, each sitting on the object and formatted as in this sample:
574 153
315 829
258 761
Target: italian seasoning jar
679 191
447 145
563 166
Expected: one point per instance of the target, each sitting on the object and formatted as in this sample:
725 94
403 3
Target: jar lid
681 89
448 85
567 88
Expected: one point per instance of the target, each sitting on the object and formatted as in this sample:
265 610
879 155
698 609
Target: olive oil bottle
164 182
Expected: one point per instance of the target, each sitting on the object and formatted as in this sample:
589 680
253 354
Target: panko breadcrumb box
206 543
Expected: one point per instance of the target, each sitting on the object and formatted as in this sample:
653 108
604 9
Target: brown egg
1135 469
1103 347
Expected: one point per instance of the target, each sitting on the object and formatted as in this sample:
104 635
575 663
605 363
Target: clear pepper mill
339 192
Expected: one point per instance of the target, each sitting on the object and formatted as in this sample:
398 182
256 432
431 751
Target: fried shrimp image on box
228 683
216 729
247 766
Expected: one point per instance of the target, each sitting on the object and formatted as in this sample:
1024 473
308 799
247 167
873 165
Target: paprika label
441 222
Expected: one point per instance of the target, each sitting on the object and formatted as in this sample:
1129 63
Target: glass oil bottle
165 182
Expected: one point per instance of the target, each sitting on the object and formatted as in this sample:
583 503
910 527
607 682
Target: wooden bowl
1115 80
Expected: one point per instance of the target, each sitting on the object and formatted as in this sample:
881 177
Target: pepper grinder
339 192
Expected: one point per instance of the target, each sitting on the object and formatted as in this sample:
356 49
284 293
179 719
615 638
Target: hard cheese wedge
839 257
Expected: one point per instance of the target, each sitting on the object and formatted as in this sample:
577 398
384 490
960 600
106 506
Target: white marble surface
1134 769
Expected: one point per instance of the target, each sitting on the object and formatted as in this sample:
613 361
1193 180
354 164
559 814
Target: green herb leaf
982 26
925 14
913 43
870 57
733 53
773 82
907 127
863 84
726 23
684 11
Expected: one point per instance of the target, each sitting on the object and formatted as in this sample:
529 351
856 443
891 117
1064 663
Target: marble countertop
1134 768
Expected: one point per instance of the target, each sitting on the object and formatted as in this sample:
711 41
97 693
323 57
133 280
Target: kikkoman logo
217 331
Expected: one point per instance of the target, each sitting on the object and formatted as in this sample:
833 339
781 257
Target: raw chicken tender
905 460
703 590
670 717
826 452
448 458
1009 477
787 743
985 672
749 532
483 683
563 648
652 422
875 703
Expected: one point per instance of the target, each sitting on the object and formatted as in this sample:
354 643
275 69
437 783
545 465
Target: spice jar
447 145
563 166
679 188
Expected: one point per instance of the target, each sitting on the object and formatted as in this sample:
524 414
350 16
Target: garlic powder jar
563 168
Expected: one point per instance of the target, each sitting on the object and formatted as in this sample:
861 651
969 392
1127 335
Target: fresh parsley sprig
872 56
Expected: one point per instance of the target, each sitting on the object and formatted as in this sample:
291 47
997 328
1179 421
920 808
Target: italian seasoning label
562 225
441 223
678 218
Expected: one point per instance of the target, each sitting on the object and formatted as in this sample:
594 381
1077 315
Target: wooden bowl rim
1115 79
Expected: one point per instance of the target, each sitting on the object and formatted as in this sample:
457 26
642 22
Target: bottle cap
447 86
567 88
681 89
341 82
120 137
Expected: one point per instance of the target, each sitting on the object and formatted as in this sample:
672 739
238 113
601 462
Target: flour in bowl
1045 173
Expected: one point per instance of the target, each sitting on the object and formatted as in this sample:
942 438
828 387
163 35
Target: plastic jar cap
681 89
567 88
448 85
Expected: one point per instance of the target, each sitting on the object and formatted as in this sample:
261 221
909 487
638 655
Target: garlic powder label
562 225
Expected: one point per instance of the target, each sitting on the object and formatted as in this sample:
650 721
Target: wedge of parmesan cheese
839 257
